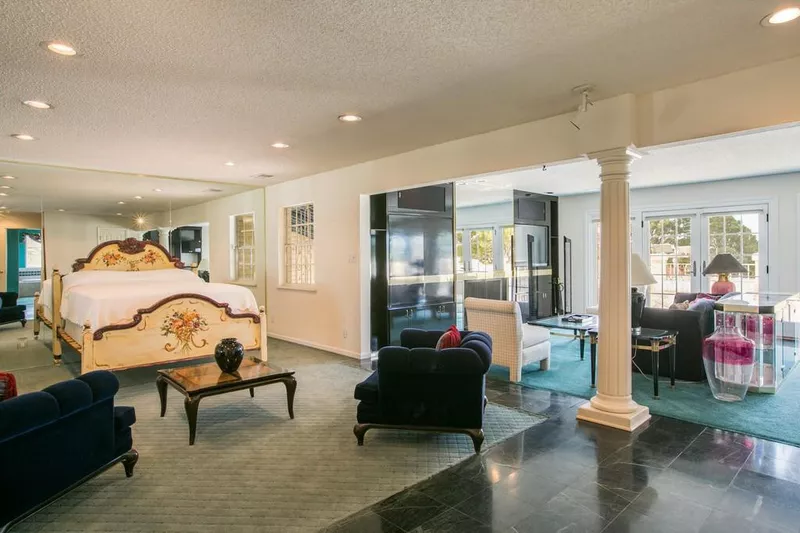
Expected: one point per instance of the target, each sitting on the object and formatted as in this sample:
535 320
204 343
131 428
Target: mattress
105 298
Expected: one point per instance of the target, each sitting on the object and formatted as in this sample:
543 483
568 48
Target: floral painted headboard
127 256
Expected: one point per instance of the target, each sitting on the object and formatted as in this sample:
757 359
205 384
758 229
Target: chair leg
515 373
477 438
129 461
544 364
23 322
359 430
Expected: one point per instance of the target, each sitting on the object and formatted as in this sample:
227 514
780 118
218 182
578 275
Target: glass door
671 257
743 235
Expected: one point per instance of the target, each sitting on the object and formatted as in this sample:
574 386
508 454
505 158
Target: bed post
262 315
87 349
56 316
37 324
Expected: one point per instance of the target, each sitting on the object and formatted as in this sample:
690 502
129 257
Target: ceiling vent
213 190
263 176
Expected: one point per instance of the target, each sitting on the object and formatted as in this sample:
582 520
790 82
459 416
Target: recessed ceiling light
280 145
6 187
36 104
263 176
782 16
349 118
156 190
3 194
61 210
121 202
7 177
230 164
481 180
213 190
137 197
61 48
23 137
119 214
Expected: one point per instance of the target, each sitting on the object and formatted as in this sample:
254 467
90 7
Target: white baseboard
324 348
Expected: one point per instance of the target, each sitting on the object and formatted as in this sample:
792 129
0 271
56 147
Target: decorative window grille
244 249
298 245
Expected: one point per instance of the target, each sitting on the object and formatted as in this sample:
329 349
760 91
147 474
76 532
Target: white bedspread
105 298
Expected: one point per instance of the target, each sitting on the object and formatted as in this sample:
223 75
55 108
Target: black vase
229 354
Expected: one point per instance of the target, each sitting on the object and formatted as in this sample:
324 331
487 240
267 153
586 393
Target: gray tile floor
566 476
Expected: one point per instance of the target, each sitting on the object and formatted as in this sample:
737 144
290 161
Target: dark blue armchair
417 387
53 440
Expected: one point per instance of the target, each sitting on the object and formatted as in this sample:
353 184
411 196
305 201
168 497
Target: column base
624 421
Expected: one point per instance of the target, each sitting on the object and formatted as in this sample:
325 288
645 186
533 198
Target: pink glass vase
728 357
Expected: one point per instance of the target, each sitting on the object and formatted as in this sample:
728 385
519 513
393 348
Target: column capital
616 155
615 164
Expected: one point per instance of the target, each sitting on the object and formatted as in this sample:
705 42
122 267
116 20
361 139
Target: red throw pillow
8 386
449 339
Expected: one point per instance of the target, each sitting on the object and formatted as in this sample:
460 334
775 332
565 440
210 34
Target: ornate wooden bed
178 327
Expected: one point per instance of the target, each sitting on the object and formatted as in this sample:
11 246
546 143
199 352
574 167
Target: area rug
771 416
254 469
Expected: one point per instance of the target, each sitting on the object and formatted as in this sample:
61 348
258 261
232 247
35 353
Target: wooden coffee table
198 381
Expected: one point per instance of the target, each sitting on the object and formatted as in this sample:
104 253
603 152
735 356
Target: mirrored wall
50 216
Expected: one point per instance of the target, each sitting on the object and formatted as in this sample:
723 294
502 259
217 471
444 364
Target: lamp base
637 307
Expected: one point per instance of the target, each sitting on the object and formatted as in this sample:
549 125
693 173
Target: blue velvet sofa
417 387
53 440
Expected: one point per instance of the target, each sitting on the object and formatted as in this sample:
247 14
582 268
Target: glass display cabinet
772 321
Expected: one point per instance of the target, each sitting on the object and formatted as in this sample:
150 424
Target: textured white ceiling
41 187
178 87
757 153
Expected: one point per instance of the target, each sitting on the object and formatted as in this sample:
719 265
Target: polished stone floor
566 476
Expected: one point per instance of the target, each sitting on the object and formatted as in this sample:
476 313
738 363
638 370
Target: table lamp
640 276
723 264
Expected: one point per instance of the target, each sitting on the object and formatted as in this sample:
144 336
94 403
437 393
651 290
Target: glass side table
653 340
772 322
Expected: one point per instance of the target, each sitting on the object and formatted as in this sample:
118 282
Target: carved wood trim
137 318
128 246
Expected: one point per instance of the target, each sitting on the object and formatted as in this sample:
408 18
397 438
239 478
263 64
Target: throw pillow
8 386
731 296
702 304
449 339
682 306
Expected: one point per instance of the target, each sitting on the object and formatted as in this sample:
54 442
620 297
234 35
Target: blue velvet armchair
417 387
53 440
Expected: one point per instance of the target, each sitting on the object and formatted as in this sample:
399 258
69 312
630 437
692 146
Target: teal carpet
772 416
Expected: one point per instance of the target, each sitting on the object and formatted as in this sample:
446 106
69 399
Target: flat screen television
531 209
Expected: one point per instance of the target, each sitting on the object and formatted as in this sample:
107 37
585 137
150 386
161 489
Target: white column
163 237
613 405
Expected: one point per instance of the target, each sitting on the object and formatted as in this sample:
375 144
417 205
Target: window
298 245
481 252
244 252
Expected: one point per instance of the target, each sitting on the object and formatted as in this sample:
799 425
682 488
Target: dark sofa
417 387
692 328
9 310
50 441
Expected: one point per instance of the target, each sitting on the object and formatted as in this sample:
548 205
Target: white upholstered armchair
514 344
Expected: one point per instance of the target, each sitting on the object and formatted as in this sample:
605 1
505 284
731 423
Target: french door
679 245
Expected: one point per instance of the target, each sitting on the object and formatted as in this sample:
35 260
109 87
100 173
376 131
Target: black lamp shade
724 264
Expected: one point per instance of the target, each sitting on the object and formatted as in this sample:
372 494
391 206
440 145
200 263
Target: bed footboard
181 327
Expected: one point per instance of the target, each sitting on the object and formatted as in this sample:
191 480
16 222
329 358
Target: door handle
694 268
704 267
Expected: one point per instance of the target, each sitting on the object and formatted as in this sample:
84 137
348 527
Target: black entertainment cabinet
535 255
412 274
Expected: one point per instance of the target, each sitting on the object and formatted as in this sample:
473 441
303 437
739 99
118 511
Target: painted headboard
127 256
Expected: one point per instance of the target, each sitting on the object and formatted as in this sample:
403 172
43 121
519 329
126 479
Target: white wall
781 193
218 213
335 316
68 237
